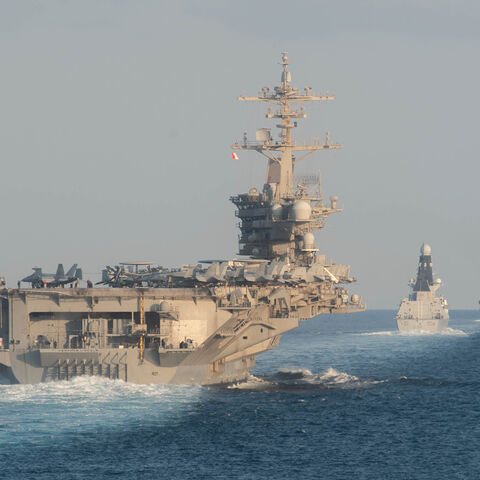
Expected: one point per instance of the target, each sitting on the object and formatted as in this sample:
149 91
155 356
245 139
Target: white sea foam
87 389
416 333
453 331
87 403
446 331
252 383
334 378
331 378
387 333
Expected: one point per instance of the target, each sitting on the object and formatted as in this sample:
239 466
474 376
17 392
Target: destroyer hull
427 314
422 325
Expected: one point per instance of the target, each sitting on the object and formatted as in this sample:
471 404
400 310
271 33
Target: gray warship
423 310
197 324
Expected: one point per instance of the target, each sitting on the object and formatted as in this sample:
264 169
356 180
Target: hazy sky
117 116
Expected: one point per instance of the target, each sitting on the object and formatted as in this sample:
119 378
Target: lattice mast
278 222
280 153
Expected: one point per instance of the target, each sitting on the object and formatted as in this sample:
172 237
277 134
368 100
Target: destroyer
422 310
201 324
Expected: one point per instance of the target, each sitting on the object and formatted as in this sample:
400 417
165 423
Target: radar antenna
281 161
277 223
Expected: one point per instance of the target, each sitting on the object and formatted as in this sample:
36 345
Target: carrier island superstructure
200 324
423 310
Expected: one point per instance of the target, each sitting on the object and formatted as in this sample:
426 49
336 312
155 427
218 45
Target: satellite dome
301 210
308 241
277 211
333 201
253 191
426 249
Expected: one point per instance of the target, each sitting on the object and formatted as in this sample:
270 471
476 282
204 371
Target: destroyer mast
422 310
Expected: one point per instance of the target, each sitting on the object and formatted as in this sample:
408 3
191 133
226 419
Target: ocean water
343 397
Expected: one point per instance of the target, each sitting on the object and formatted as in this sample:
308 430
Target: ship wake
304 380
415 333
86 389
446 331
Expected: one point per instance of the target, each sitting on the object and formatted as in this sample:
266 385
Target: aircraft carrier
197 324
423 310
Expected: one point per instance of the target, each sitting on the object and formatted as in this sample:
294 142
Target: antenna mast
281 162
277 223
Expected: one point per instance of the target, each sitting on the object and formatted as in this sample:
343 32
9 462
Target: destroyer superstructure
199 324
423 310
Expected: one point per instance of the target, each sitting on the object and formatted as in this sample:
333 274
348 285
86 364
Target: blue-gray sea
343 397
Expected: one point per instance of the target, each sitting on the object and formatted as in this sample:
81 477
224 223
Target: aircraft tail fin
60 271
71 271
78 273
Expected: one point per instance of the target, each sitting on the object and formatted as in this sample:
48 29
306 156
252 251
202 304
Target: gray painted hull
31 366
423 311
58 334
422 325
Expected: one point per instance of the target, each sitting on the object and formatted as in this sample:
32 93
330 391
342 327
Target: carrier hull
26 367
187 335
